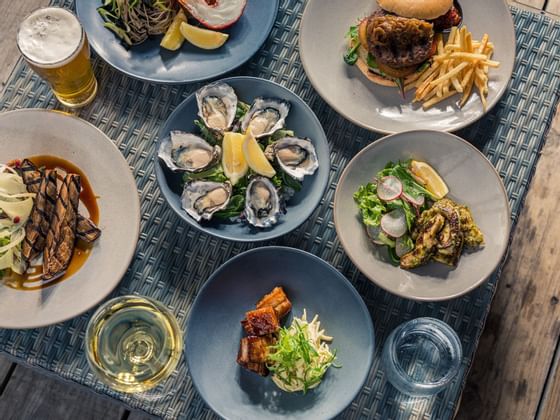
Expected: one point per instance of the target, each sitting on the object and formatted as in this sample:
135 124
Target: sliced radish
417 201
389 188
402 247
394 223
215 14
373 233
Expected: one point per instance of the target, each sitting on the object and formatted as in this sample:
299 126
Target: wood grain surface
516 372
517 348
12 12
31 395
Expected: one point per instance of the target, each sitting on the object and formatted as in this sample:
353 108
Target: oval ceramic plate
214 331
472 181
149 62
301 119
33 132
378 108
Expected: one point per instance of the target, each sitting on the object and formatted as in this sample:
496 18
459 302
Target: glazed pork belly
261 321
278 300
253 352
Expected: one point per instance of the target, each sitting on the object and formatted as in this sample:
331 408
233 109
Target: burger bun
419 9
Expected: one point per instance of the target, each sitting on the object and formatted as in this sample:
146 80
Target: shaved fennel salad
301 356
15 207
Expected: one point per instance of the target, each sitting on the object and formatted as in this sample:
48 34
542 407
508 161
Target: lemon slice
203 38
233 160
173 39
431 179
255 157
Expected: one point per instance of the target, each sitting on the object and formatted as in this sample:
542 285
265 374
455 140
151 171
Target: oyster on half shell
296 156
262 203
265 116
217 105
201 199
185 152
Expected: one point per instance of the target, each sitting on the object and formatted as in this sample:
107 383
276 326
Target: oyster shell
185 152
265 116
201 199
262 203
217 105
296 156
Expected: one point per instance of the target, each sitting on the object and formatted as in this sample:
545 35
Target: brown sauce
88 200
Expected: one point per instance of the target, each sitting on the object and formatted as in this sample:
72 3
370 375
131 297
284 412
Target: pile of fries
457 68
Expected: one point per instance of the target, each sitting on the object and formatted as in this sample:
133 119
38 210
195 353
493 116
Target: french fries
460 66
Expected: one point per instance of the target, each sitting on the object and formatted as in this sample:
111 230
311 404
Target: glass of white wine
133 343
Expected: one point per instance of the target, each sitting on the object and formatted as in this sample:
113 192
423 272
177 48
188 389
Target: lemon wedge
173 39
255 157
203 38
233 160
431 179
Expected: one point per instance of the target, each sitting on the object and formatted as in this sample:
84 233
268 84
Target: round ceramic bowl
149 62
472 181
301 119
34 132
322 44
214 331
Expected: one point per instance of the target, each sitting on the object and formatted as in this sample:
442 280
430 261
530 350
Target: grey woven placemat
173 260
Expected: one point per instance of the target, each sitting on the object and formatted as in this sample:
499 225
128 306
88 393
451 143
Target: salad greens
351 54
411 201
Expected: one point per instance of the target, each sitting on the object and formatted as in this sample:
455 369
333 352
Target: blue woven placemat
173 260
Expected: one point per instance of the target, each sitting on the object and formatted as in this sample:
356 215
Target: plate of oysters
243 159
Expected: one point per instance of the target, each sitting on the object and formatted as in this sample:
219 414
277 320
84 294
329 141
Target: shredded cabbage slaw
15 208
301 356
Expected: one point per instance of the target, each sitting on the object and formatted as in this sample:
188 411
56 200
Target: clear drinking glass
55 46
422 356
133 343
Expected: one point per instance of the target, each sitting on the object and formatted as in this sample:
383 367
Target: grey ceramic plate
472 180
214 331
33 132
378 108
301 119
148 61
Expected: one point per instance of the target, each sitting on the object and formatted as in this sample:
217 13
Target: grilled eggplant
37 226
31 176
61 237
86 230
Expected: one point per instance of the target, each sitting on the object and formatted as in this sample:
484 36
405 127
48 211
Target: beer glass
55 46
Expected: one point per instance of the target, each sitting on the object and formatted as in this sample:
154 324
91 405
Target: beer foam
50 36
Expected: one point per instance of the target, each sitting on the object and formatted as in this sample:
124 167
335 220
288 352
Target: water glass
422 356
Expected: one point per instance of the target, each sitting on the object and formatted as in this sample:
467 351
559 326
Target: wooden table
516 369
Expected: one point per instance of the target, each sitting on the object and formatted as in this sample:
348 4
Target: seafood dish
196 21
406 209
244 164
41 221
297 356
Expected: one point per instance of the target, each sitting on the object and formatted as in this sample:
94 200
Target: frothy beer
54 44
